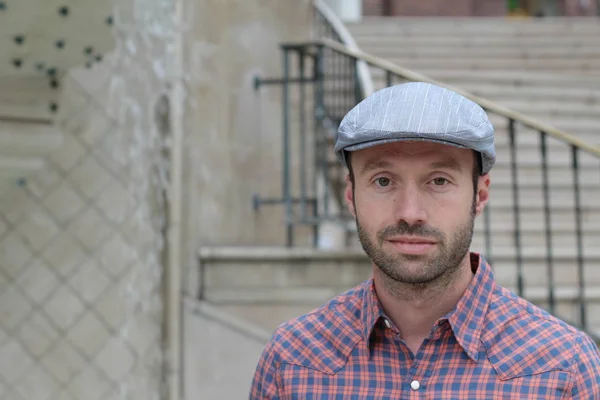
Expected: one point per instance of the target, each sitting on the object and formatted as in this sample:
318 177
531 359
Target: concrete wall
67 268
221 353
71 325
234 131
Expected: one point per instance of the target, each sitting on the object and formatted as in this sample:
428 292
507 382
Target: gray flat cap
417 111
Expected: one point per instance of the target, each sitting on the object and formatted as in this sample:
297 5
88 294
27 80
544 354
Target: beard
429 268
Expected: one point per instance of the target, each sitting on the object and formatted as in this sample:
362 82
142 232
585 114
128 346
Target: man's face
415 207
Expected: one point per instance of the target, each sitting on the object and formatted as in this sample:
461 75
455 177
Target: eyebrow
450 163
374 164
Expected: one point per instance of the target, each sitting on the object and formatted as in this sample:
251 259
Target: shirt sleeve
587 370
264 384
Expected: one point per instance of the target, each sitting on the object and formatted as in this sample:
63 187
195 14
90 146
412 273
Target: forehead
414 152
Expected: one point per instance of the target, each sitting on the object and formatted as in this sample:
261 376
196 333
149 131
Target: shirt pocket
300 383
549 385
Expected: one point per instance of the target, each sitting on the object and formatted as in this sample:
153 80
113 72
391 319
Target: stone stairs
269 285
545 69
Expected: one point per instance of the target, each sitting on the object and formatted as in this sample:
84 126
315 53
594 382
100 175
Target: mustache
403 228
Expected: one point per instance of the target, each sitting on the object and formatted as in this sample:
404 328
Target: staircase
541 69
546 69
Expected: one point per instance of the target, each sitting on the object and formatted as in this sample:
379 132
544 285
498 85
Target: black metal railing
330 70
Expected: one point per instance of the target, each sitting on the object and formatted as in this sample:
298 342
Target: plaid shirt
493 345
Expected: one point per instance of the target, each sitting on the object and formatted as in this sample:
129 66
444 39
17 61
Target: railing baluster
547 223
320 110
516 208
302 126
286 150
317 144
487 231
356 83
579 237
389 78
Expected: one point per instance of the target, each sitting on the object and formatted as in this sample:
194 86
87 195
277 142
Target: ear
349 196
483 193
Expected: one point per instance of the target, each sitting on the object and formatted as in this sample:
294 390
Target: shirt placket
415 384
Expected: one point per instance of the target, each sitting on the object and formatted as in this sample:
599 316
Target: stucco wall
234 131
221 353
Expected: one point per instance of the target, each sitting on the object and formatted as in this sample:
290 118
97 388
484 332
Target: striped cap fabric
417 111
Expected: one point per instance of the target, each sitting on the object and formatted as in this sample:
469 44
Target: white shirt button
415 385
387 323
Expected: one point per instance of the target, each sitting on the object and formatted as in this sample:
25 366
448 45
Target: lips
412 245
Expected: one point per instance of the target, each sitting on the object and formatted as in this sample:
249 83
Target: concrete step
373 40
532 175
532 219
558 65
536 238
480 27
512 78
553 109
271 285
271 268
533 93
389 50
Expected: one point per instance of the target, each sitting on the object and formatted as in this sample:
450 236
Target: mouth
412 245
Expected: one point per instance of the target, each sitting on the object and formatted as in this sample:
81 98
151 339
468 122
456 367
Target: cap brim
378 142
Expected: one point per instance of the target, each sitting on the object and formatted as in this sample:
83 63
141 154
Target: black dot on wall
2 6
39 66
51 71
19 39
53 107
17 62
60 44
98 57
63 11
54 84
109 21
88 50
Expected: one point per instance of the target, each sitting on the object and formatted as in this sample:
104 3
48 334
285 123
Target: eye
440 181
382 182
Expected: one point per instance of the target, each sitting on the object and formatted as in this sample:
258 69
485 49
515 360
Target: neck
414 308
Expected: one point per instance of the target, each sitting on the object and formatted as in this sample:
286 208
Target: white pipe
333 235
364 73
173 270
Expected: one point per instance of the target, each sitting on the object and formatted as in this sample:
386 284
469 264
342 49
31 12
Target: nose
409 206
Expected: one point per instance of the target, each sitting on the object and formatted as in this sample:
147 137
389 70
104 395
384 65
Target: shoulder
323 338
523 339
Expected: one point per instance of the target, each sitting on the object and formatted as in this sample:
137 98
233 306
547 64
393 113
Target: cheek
375 213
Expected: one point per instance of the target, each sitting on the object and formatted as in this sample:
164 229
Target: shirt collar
467 317
371 311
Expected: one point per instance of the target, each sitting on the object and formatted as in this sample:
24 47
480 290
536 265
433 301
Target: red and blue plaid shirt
493 345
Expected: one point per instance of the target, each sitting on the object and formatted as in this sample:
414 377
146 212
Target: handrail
483 102
335 84
364 74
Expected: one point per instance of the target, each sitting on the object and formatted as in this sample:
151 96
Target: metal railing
336 89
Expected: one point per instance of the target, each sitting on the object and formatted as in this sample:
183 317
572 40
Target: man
432 322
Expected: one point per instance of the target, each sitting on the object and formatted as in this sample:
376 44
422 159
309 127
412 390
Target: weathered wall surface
235 132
